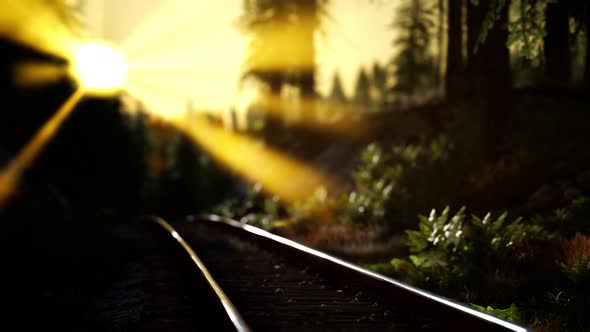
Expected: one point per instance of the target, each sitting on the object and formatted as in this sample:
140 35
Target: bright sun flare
99 68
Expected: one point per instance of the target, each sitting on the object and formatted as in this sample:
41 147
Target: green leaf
511 313
416 241
384 268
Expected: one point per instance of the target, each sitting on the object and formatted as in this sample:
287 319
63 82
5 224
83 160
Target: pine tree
380 86
337 94
414 65
362 90
263 21
282 46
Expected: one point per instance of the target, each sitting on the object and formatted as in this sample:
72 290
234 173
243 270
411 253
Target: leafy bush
395 184
476 257
572 297
491 260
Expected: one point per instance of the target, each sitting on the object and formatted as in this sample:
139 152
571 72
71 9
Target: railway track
244 278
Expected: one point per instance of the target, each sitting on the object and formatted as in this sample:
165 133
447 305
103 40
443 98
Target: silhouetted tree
414 65
282 43
309 13
181 178
264 22
337 94
142 139
488 70
380 86
362 89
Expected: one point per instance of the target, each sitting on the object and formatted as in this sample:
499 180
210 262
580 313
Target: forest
459 166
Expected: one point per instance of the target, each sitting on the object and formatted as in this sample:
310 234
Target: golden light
279 174
36 74
40 24
99 68
164 66
11 174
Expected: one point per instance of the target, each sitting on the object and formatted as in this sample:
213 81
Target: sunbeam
173 22
170 60
278 174
35 74
11 174
42 25
174 58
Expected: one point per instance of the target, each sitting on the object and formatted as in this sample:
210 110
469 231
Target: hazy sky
355 36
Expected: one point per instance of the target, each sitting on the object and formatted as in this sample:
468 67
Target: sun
99 68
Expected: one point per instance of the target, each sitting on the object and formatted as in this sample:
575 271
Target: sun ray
165 68
34 74
290 179
37 24
11 174
279 174
170 24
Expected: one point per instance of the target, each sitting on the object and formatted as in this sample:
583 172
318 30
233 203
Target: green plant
573 296
471 255
511 313
396 183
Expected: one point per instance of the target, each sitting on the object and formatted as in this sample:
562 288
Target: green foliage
581 202
395 184
491 260
572 297
382 268
579 270
527 32
254 207
457 251
511 313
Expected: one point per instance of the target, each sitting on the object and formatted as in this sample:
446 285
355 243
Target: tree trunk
309 16
587 58
557 51
440 37
489 76
455 66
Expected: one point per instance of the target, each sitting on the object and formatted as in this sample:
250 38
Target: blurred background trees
483 103
282 47
415 67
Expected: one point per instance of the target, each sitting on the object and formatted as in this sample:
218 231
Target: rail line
266 283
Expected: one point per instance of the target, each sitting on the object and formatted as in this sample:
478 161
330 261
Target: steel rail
233 314
453 312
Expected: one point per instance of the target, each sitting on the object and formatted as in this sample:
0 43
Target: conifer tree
414 65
